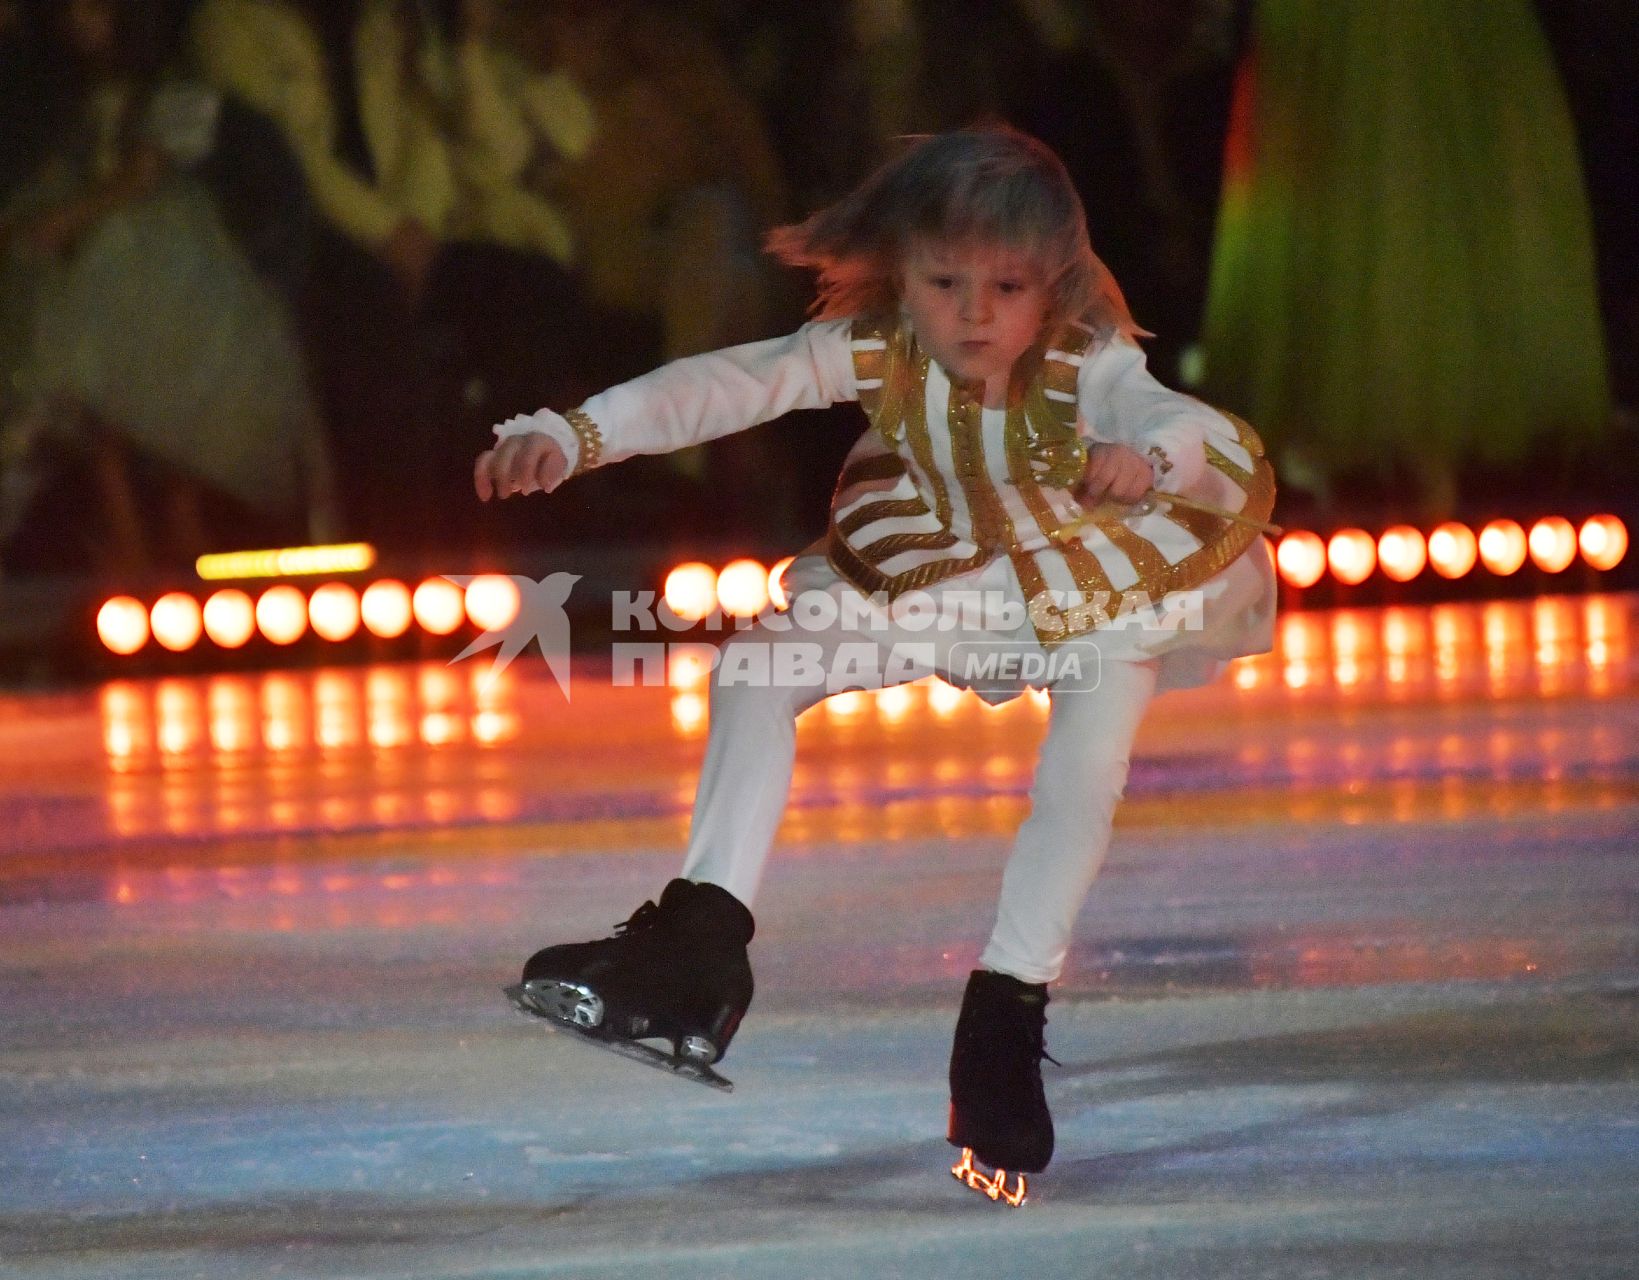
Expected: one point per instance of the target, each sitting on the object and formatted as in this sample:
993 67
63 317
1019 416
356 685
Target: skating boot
676 972
998 1110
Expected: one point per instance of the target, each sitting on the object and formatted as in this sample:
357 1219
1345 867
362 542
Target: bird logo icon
541 618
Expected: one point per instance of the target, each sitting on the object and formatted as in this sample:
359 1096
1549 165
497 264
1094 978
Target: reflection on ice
1549 645
430 744
286 896
1312 958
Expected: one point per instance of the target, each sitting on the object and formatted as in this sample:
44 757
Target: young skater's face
976 307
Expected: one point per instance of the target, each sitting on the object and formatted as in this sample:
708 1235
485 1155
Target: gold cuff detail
590 438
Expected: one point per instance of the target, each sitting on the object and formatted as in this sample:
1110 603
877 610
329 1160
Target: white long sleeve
1122 403
700 398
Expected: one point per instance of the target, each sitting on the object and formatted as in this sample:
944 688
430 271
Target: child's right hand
528 463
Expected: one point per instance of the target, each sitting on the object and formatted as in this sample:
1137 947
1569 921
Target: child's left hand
1114 473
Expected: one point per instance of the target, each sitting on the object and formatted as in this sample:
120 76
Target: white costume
956 536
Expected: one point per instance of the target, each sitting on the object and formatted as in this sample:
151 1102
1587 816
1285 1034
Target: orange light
894 704
944 699
176 620
491 727
385 608
281 614
230 618
493 601
1502 547
1352 555
1402 553
1553 544
688 713
691 590
689 666
742 588
439 606
1302 558
776 583
334 611
848 705
1604 541
122 625
1452 549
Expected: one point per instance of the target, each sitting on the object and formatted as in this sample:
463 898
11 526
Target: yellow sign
286 562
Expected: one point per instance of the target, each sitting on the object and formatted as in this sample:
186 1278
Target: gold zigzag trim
880 466
1223 541
871 512
1052 441
893 544
869 364
1061 375
917 435
1218 462
868 578
1091 580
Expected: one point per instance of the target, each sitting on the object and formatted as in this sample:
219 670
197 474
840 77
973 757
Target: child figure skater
1025 489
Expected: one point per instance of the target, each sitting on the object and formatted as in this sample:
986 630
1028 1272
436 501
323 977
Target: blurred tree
1403 282
138 347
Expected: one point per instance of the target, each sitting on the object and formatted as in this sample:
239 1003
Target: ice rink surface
1355 996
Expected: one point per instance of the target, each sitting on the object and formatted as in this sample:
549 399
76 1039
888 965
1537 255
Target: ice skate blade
993 1186
547 1006
568 1003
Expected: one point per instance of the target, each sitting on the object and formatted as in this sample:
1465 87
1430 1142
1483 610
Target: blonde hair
989 183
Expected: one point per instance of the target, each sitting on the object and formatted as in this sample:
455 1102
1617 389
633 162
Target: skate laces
1039 1049
1030 1030
1041 1044
645 917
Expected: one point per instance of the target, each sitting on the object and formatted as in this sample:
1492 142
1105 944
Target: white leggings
1059 847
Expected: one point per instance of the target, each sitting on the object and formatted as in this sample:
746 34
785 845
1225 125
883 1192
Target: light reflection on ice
350 748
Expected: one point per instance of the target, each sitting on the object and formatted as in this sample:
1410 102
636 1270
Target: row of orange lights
1451 550
282 614
744 588
741 588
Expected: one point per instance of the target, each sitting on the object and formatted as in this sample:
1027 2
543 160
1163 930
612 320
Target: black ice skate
676 973
998 1110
